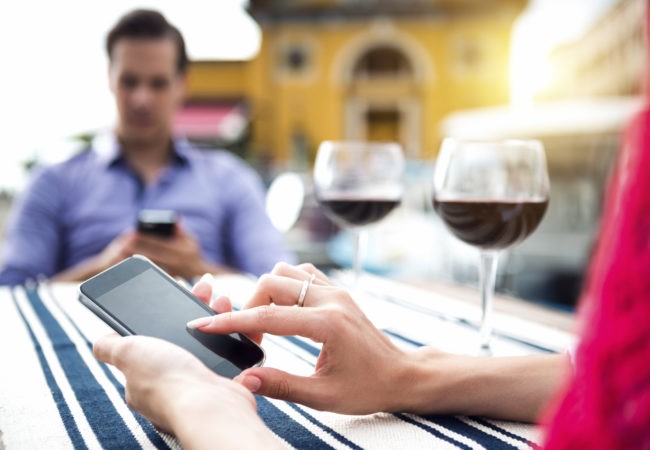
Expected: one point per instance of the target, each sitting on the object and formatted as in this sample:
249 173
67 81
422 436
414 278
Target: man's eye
129 82
159 84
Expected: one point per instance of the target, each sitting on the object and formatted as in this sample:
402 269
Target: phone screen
150 304
160 222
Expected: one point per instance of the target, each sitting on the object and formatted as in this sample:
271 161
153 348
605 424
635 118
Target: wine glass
492 195
358 183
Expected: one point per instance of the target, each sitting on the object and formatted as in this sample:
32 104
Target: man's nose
142 95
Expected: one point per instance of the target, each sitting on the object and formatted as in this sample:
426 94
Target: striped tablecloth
54 394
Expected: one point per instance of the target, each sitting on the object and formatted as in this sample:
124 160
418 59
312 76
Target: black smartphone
160 222
137 297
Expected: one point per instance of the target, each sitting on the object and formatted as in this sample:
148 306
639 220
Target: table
54 394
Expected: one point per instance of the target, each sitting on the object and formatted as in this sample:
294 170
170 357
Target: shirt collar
108 150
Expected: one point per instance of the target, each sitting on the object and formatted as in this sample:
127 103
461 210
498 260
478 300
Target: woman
605 402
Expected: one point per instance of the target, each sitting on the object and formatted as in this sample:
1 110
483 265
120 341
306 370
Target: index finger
273 319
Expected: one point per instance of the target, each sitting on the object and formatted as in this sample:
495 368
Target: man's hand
114 252
179 255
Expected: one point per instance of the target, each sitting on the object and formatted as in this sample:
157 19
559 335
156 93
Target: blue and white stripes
54 394
399 430
87 394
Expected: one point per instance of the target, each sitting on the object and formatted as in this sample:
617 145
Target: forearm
511 388
92 266
81 271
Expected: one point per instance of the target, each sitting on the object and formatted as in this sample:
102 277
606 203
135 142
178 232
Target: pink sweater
606 403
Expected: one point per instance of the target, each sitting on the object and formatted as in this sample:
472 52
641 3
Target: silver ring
304 289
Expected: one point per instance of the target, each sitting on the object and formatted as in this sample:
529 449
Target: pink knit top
606 403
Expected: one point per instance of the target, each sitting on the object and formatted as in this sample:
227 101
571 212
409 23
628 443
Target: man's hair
147 24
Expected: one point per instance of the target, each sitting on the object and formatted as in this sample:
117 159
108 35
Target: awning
567 117
224 122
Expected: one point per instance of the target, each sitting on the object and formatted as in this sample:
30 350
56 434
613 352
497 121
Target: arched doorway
381 98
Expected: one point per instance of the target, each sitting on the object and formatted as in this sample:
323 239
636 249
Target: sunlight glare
536 33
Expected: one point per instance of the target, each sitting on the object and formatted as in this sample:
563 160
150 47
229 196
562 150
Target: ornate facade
360 69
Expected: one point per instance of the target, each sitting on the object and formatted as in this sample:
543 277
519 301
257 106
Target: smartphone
136 297
160 222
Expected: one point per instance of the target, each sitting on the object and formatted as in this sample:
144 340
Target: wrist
98 263
512 388
82 271
432 386
202 416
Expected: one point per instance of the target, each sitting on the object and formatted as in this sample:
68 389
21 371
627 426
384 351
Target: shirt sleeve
31 245
255 245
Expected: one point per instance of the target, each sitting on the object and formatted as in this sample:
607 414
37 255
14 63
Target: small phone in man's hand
136 297
160 222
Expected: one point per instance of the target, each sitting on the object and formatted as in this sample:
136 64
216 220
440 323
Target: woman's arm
509 388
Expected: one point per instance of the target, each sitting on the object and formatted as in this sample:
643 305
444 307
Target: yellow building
361 69
609 60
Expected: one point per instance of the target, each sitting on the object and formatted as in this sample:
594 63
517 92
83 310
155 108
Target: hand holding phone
136 297
160 222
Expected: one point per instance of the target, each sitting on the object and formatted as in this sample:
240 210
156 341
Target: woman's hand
181 395
360 371
358 368
157 371
203 291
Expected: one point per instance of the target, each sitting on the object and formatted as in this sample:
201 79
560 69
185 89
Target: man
77 218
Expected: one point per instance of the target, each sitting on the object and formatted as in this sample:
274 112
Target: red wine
356 212
491 224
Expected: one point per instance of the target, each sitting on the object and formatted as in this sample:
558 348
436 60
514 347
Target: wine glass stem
487 277
360 243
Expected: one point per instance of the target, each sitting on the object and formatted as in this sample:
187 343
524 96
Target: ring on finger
304 289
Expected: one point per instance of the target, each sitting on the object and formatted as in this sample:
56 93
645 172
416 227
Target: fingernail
200 322
251 383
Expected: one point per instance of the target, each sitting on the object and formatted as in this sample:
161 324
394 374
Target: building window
294 59
471 57
383 62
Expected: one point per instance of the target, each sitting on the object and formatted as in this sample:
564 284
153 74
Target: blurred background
270 80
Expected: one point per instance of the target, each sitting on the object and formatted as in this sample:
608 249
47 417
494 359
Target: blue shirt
73 210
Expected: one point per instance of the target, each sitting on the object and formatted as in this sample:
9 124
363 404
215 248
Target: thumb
278 384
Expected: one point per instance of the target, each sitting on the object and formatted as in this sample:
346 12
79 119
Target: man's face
147 88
